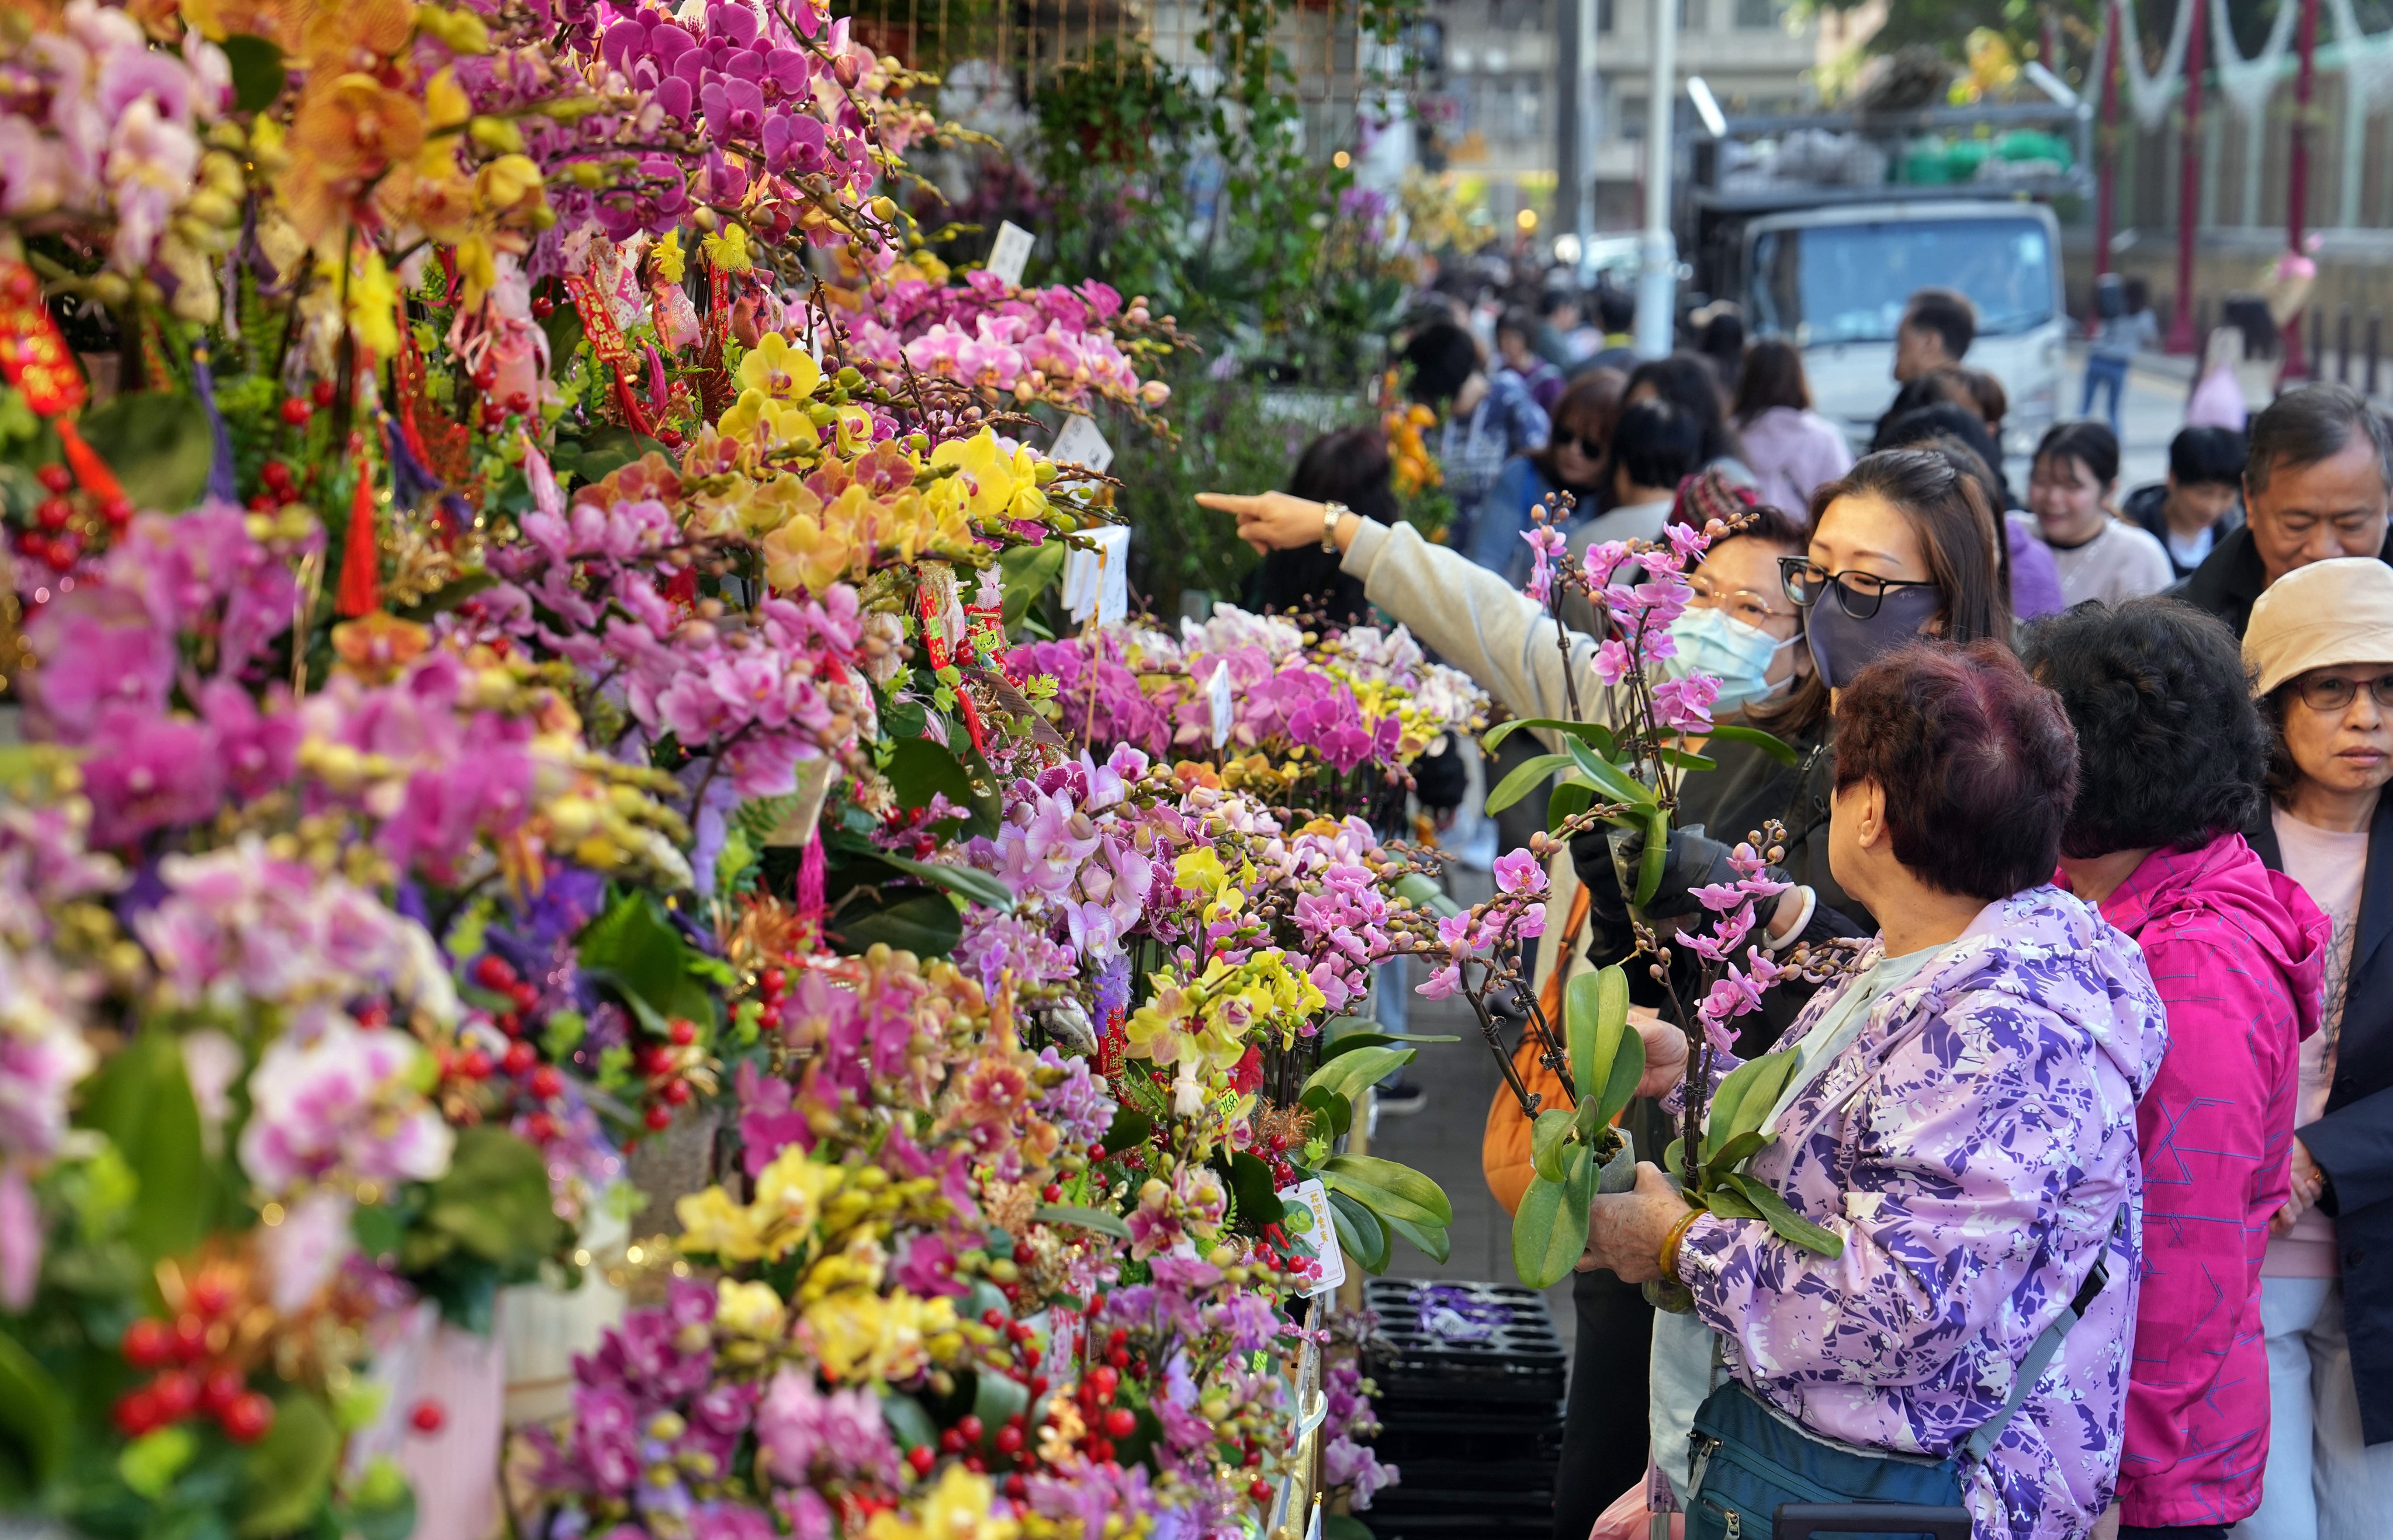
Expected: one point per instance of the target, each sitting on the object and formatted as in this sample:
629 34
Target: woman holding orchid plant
1957 1119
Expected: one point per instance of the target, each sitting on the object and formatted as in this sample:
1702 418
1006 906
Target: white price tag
1321 1237
1217 696
1012 252
1098 580
1080 443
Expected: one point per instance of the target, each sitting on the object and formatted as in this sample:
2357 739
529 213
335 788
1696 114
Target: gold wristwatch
1330 514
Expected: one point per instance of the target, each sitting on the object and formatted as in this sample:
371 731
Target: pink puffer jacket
2238 953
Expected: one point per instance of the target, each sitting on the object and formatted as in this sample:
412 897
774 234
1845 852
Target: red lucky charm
35 359
360 589
606 343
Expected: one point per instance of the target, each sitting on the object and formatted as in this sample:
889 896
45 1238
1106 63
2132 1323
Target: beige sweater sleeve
1475 622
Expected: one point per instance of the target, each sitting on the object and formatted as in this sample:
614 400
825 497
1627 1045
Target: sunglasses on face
2327 693
1858 593
1587 444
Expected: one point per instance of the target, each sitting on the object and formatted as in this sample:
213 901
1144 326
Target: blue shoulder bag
1759 1476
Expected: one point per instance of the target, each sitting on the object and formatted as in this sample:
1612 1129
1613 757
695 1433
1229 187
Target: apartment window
1632 117
1757 15
1692 15
1604 16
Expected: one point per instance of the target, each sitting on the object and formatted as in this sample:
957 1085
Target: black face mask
1842 646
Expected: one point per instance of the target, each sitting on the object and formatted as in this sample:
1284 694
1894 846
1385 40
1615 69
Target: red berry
1104 1377
993 1318
263 503
1017 1331
1038 1384
921 1457
512 1024
191 1336
1101 1449
971 1427
1259 1489
52 512
952 1440
1017 1489
322 392
772 981
542 307
975 1464
677 1093
296 410
526 996
118 510
1030 1358
1051 1192
1008 1439
659 1118
137 1413
545 1082
1118 1358
221 1389
1120 1422
540 1127
681 1032
149 1343
519 1060
246 1420
178 1392
429 1417
55 478
473 1065
211 1295
493 972
275 473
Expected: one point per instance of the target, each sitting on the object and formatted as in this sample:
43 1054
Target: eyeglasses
1742 604
1586 443
1858 593
2326 693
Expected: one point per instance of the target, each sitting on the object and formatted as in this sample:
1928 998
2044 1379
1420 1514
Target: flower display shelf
1500 1345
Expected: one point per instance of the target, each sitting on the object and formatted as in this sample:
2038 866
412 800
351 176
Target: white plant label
1225 711
1323 1237
1082 443
1098 580
1012 252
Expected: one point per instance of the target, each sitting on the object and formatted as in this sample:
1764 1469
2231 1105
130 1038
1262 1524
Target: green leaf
288 1473
1568 799
606 450
142 1101
1684 760
1775 747
159 444
1130 1127
1611 781
1251 1182
1549 1142
1348 1073
448 596
35 1416
1337 1113
1744 1098
1433 1240
1724 1202
997 1397
1674 1159
919 768
1423 892
1361 1235
641 952
257 72
923 923
911 1425
1388 1188
1524 779
1348 1042
1029 570
1596 1020
1657 850
1595 735
1790 1226
981 887
1733 1154
1345 1526
1549 1231
1083 1219
494 1202
150 1464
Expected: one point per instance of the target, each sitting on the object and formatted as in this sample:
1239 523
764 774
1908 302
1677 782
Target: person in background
2315 485
1937 328
2029 574
1960 1115
1719 339
1655 445
1988 397
1349 466
1973 390
1791 450
2170 756
1687 382
1615 313
1482 421
2100 556
1516 337
1558 322
2197 505
2320 649
2120 333
1573 461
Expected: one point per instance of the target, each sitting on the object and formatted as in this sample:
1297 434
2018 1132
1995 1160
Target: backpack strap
2040 1353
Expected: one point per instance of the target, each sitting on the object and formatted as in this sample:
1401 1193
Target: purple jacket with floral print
1971 1148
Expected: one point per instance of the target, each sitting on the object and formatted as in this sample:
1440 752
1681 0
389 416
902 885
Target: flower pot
1619 1173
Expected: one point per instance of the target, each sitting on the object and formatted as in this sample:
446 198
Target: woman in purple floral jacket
1964 1121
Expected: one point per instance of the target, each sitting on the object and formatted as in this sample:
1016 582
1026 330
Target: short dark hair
1945 423
1657 443
1520 322
2090 443
1442 356
1946 312
2170 751
1554 299
1975 761
1616 307
1770 376
1689 381
1348 465
2312 422
2208 457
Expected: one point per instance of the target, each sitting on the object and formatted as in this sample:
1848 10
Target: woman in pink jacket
2171 756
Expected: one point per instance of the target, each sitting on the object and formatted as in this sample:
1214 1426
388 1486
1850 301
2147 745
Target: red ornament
1120 1422
659 1118
149 1343
545 1082
921 1457
246 1420
296 410
429 1417
322 393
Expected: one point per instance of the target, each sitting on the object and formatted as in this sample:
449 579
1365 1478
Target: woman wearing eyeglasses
2321 649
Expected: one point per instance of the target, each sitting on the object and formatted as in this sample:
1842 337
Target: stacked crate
1470 1381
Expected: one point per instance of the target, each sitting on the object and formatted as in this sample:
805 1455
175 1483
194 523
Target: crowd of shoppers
2104 1117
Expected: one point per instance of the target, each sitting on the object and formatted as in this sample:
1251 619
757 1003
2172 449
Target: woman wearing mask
1571 461
2319 646
2100 555
2170 756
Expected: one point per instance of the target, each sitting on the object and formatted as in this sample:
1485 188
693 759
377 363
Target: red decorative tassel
84 461
810 879
360 589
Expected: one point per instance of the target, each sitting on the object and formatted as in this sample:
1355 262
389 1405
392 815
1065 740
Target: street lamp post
1657 277
2182 338
2298 170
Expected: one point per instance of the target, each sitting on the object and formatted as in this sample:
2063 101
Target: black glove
1691 860
1611 936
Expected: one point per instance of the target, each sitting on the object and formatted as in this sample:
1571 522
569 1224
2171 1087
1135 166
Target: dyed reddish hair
1977 762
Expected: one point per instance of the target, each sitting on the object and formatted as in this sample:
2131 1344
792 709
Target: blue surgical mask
1842 646
1711 641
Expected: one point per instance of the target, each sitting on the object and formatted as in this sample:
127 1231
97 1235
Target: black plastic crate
1441 1344
1416 1432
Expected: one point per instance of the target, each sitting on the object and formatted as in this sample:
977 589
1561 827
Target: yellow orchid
957 1508
858 1334
711 1221
792 1188
809 553
987 483
780 370
749 1310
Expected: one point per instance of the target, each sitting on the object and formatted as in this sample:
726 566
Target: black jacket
2231 578
2144 508
2354 1141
